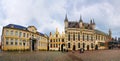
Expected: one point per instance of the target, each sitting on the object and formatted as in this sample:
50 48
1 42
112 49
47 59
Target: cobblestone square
98 55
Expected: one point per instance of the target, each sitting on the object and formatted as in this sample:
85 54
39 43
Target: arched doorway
33 45
96 47
62 47
74 48
87 47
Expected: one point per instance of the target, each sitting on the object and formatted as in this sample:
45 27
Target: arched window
50 40
91 45
78 45
79 37
68 37
11 32
87 37
83 45
62 40
7 32
74 36
83 37
68 45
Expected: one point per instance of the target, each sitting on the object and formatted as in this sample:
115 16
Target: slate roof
76 25
20 27
73 24
100 32
16 26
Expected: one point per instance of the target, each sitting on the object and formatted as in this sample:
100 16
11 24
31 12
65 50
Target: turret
110 33
50 33
66 21
92 24
81 22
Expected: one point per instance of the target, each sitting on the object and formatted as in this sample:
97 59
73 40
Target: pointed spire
56 29
110 33
93 22
66 19
80 19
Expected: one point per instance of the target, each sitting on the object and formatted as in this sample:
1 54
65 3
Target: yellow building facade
56 41
79 35
16 37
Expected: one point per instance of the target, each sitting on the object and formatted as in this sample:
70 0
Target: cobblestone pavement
99 55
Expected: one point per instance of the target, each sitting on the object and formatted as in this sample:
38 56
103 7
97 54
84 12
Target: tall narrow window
91 45
7 41
7 32
96 37
11 32
16 40
79 37
20 34
78 45
16 33
27 35
20 43
91 38
59 39
23 34
51 45
87 37
68 45
68 37
62 40
83 45
50 40
11 42
74 36
83 37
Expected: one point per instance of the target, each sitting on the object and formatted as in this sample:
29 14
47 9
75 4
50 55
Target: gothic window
83 45
51 45
59 39
68 45
50 40
91 45
91 38
96 37
78 45
68 37
79 37
62 40
74 36
83 37
87 37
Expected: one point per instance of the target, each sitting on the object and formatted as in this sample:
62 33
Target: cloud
46 15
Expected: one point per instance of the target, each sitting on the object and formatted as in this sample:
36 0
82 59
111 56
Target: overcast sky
46 15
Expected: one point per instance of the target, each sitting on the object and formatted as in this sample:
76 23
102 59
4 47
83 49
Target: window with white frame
7 32
7 41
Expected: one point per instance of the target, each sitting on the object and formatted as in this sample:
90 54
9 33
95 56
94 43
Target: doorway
33 45
96 47
87 47
62 49
74 48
